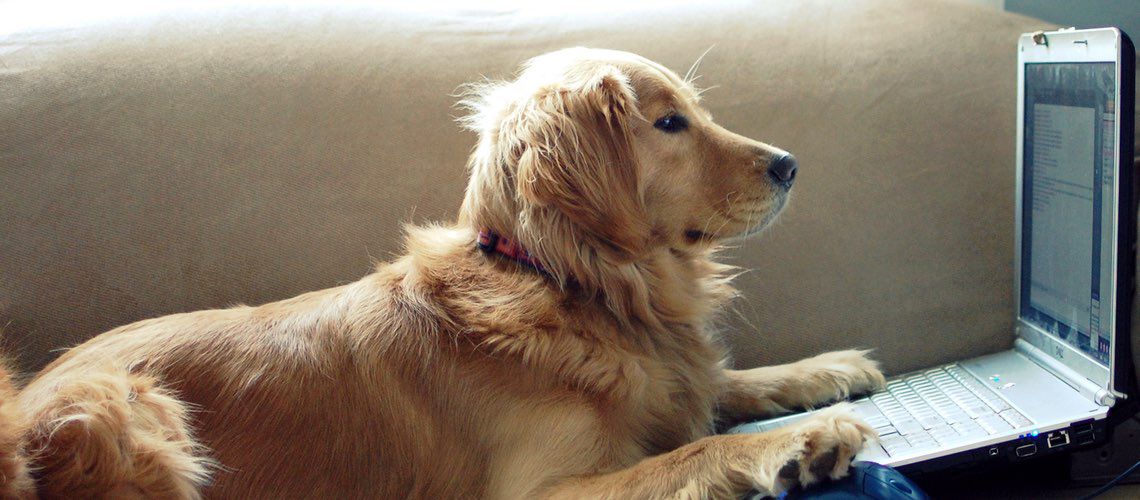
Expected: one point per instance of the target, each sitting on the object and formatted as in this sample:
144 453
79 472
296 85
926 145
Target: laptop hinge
1086 387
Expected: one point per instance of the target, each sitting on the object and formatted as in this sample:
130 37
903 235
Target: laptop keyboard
935 409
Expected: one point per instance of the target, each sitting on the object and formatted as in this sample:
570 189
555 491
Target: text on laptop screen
1067 210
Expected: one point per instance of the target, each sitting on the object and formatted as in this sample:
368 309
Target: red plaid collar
490 241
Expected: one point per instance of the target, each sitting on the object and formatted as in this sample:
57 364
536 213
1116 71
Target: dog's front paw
822 447
846 373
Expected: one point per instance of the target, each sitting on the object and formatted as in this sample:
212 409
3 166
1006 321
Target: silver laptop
1074 267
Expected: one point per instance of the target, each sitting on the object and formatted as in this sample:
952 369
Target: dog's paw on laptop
839 375
822 446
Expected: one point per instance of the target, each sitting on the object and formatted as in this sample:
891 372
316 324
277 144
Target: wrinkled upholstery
174 160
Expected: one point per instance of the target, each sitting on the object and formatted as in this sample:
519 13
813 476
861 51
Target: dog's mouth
695 236
774 208
780 200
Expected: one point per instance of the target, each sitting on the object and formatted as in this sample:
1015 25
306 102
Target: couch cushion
178 159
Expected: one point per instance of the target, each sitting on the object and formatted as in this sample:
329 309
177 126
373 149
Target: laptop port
1027 450
1059 438
1084 436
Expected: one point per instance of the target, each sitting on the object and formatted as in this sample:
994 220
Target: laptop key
894 444
921 440
930 393
1015 419
993 424
882 398
904 396
942 378
947 411
907 427
944 434
921 443
943 405
887 404
998 405
976 411
924 388
958 373
956 415
969 429
987 396
929 422
877 422
963 396
896 413
865 408
925 414
890 409
918 408
946 404
957 392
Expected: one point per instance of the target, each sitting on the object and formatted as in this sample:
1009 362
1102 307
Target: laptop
1074 268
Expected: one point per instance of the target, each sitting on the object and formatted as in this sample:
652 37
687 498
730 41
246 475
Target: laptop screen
1067 211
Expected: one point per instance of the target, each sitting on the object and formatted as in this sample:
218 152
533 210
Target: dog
557 340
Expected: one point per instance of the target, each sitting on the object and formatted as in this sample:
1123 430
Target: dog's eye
671 123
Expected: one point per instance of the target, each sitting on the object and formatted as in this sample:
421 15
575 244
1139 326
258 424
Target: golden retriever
556 341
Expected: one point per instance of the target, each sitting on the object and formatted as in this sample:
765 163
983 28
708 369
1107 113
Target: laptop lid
1075 216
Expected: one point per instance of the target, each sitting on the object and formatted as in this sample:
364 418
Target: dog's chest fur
572 385
674 403
650 389
642 398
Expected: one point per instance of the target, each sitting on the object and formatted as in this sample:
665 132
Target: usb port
1059 438
1084 436
1027 450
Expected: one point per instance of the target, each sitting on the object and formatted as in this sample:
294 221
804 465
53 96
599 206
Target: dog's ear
576 156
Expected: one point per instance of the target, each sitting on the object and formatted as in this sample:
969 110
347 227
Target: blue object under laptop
866 480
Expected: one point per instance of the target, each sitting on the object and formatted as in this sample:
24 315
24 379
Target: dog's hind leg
15 482
113 433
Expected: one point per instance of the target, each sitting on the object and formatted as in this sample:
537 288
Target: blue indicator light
1034 433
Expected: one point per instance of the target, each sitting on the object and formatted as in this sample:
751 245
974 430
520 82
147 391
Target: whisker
696 65
701 91
728 217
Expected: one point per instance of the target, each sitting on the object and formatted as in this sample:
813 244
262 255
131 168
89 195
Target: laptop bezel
1078 46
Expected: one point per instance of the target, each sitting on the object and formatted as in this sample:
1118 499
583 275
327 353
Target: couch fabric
179 159
158 159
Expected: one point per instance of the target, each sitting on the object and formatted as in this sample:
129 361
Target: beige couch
173 160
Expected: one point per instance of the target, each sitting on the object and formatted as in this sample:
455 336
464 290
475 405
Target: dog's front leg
727 466
773 390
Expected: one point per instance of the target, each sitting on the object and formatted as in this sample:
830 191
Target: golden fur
454 373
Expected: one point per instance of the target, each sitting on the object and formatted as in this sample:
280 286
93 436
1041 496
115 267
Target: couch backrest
183 159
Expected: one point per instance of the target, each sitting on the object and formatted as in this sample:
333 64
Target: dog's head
606 152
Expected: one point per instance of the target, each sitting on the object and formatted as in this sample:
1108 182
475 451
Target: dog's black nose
783 170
